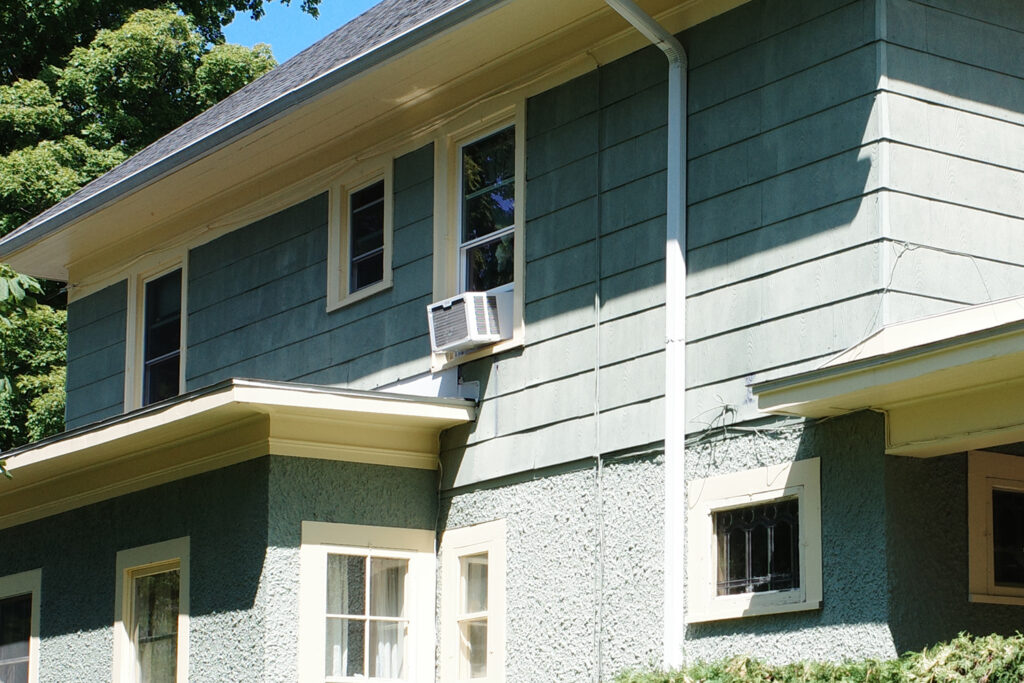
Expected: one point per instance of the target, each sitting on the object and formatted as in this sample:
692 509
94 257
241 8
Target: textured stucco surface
223 513
304 489
552 573
853 619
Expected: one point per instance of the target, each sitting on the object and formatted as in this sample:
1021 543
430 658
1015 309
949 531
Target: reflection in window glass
473 617
366 236
154 626
15 634
758 548
488 211
367 625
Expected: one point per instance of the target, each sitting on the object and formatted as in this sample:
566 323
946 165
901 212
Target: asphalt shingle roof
377 26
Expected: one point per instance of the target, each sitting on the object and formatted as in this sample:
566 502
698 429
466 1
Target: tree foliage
83 86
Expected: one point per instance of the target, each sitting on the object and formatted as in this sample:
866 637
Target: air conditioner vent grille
450 323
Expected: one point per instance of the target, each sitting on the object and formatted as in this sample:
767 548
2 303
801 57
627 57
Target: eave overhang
227 423
946 383
381 101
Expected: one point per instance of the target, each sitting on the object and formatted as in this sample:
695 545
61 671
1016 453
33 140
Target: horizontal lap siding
257 304
96 355
956 200
784 239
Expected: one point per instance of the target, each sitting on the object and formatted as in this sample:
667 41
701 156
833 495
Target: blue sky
288 30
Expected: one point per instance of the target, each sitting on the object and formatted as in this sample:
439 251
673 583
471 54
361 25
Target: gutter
244 125
675 330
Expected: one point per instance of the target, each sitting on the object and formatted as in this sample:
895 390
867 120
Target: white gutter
675 328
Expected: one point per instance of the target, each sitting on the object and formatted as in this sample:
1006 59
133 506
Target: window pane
474 649
346 584
387 649
15 632
488 184
345 647
474 574
387 587
490 264
162 380
366 220
1008 537
155 626
758 548
367 270
163 315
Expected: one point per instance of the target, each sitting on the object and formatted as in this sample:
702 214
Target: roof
395 23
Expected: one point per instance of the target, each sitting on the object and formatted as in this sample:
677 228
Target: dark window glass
162 338
488 210
757 548
366 236
15 632
1008 537
155 627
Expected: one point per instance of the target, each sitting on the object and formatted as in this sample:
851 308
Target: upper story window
359 241
19 627
754 542
151 613
161 361
487 208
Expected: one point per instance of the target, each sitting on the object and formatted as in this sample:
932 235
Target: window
155 341
19 627
359 244
161 339
995 520
366 601
151 613
479 216
755 542
473 603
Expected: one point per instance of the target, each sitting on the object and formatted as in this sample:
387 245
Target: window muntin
366 236
367 625
472 619
487 175
754 542
758 548
161 361
15 638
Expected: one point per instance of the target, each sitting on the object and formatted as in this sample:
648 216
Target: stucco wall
223 513
554 567
852 620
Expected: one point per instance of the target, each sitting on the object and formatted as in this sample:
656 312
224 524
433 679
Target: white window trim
24 583
509 110
321 538
144 272
339 260
987 471
802 479
128 565
456 544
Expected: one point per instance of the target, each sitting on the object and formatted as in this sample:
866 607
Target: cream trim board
144 561
456 544
986 472
322 538
147 270
360 176
489 117
26 583
800 479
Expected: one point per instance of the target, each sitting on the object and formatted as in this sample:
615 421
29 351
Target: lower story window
995 510
19 627
366 603
754 541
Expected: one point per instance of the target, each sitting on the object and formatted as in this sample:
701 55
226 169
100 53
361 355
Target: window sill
335 303
749 606
443 361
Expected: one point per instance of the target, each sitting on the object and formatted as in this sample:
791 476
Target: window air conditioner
469 320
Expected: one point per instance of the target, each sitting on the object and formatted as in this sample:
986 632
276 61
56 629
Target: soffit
390 105
228 423
946 383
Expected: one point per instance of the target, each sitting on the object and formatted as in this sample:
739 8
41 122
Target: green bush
988 659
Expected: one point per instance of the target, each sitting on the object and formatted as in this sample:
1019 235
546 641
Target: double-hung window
487 175
161 345
366 596
995 520
19 627
151 614
754 542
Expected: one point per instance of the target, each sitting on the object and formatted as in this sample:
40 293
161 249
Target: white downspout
675 328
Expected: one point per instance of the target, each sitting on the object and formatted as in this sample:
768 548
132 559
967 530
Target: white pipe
675 329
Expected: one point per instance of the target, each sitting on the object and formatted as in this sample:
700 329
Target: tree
81 113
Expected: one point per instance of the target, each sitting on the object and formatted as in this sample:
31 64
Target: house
755 385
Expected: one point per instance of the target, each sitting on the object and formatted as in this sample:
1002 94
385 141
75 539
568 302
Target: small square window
359 243
19 627
995 521
754 541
